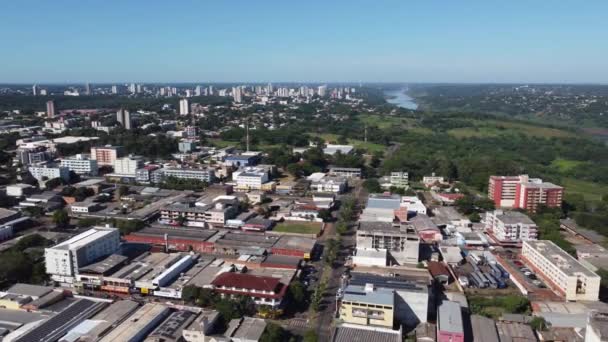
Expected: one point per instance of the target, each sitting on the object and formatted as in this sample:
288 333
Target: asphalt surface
323 323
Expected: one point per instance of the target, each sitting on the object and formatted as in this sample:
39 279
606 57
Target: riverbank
400 99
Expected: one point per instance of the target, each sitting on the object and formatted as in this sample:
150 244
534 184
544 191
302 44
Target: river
400 98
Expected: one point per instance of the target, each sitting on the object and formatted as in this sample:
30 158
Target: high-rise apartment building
106 155
35 89
531 195
184 108
523 192
124 118
128 165
50 109
237 94
322 90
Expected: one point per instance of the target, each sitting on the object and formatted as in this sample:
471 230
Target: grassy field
384 121
565 165
298 227
368 146
493 128
223 143
591 191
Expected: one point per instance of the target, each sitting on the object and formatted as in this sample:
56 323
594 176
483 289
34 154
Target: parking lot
533 284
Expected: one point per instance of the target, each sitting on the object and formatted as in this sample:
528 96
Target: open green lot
590 190
494 128
298 227
368 146
565 165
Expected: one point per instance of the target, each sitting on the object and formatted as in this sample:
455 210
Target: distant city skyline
312 42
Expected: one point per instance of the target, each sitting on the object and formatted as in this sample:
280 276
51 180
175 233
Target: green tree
325 215
372 185
61 218
538 323
297 294
273 333
310 336
123 190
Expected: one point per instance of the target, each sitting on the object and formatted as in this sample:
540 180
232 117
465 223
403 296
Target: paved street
324 319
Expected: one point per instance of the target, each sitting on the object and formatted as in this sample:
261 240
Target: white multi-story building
561 271
124 118
184 108
250 178
330 184
400 180
510 226
237 94
128 165
49 172
413 204
63 260
401 241
81 164
205 175
431 180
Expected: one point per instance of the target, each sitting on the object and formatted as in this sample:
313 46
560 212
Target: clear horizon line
299 82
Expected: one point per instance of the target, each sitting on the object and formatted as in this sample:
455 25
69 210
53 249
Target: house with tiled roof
263 290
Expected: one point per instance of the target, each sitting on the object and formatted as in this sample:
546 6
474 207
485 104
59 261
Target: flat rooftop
564 261
449 317
13 319
246 328
171 329
181 233
359 333
57 326
514 217
398 283
206 274
509 331
136 323
202 263
296 242
29 290
110 317
105 265
5 213
284 275
380 296
85 238
238 239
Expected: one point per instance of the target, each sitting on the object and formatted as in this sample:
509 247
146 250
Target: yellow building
366 305
14 302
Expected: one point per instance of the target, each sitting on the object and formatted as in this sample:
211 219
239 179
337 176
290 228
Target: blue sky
267 40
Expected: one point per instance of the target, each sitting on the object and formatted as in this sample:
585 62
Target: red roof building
263 290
